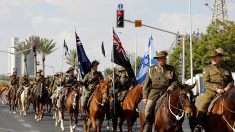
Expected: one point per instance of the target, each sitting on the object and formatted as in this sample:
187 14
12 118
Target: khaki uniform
37 79
123 83
24 81
157 81
69 80
215 77
55 83
92 80
14 81
47 83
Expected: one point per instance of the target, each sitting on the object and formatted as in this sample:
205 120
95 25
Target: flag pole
114 98
135 52
62 59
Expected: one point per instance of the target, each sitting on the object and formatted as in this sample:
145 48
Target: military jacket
123 82
92 79
217 77
14 80
24 81
69 80
158 79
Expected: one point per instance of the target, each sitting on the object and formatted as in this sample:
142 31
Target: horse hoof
107 128
74 126
62 128
14 112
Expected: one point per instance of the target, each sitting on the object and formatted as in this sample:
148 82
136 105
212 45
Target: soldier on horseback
14 81
160 78
218 79
69 80
38 79
55 84
47 82
91 80
122 84
24 82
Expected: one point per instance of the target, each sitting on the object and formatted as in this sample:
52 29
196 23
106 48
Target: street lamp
207 4
34 45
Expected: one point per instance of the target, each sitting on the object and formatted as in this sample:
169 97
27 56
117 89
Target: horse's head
26 91
181 98
74 96
104 86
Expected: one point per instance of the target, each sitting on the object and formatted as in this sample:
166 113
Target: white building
14 59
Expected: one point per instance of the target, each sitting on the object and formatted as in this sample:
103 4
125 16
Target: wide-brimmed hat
216 52
57 74
95 62
39 71
161 54
121 69
70 69
47 77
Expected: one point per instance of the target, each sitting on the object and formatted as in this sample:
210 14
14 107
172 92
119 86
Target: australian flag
147 61
119 56
84 62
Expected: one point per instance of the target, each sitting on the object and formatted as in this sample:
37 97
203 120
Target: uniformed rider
218 79
14 82
159 79
24 82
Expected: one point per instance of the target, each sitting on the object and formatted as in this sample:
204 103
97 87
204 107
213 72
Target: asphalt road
14 122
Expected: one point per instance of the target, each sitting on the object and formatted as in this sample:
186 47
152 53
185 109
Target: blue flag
84 62
147 61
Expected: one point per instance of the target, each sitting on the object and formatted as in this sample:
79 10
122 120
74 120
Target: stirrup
198 128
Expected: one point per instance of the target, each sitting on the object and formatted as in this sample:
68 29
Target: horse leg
89 125
70 120
61 120
129 124
93 124
120 124
85 126
115 120
100 124
76 120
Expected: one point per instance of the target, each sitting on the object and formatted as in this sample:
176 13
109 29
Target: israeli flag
147 61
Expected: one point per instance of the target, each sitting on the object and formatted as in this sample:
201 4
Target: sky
93 21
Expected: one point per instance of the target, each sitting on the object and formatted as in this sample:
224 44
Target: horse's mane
135 93
230 95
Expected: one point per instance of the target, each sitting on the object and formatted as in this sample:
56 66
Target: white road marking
26 125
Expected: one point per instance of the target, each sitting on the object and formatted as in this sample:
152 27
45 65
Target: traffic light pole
176 34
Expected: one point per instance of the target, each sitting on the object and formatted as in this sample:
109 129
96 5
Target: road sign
138 23
120 6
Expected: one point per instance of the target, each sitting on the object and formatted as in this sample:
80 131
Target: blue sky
93 21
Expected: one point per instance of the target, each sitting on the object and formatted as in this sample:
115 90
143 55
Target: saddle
89 100
211 103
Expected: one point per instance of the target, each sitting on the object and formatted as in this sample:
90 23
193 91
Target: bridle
181 113
101 95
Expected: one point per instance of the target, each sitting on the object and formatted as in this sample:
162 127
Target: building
30 64
14 58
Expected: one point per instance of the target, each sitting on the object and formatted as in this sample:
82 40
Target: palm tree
45 48
71 58
25 49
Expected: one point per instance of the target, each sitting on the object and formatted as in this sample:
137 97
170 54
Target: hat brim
159 57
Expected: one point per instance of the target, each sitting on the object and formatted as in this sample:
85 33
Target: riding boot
108 114
201 116
83 116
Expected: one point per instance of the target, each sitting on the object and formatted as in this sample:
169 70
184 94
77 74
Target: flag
197 34
102 48
84 62
66 49
147 61
119 56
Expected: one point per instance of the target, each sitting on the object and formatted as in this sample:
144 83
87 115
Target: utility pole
34 45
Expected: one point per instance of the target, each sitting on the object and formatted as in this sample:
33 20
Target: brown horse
222 116
72 107
128 109
97 106
38 98
2 89
12 101
171 111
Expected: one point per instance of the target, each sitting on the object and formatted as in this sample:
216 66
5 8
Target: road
14 122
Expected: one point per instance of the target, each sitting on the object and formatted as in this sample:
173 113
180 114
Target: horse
221 118
38 99
128 108
3 89
48 102
171 110
24 100
96 109
12 101
72 107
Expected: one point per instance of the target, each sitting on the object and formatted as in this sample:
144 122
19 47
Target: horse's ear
189 86
101 81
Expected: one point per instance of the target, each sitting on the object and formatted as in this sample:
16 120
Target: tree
45 48
71 58
222 35
25 48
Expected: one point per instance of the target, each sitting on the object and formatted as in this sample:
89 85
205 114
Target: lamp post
34 45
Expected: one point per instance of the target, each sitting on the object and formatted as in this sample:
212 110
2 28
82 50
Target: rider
24 81
218 79
123 84
14 81
56 82
47 82
69 80
160 78
39 78
91 79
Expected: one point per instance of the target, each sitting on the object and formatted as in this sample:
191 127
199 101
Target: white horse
24 100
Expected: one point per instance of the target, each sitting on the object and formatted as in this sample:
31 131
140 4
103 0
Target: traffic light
120 18
34 46
178 39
